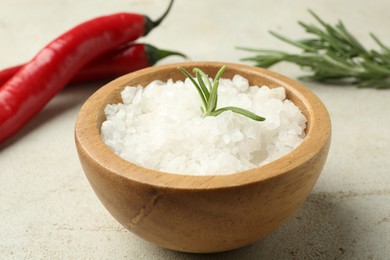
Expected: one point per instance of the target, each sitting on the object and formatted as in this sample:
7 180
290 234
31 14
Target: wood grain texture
203 213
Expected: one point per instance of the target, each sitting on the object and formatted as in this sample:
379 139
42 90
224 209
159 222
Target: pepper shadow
315 231
69 97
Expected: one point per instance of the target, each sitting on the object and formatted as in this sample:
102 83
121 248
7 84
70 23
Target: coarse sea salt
160 127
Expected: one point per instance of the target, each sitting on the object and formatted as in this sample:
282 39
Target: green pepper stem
154 54
159 20
149 24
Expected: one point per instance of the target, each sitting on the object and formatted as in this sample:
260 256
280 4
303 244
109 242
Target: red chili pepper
111 65
31 88
8 73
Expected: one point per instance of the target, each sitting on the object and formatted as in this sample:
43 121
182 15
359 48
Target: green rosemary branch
209 94
333 55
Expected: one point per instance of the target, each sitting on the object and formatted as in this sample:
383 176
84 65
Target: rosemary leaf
205 78
214 91
201 94
209 94
212 102
295 43
384 47
201 83
238 110
332 54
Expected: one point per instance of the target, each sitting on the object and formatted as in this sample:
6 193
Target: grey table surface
49 211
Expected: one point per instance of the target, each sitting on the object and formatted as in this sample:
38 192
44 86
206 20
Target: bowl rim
88 141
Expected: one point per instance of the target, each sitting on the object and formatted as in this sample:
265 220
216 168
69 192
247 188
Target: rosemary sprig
333 55
208 92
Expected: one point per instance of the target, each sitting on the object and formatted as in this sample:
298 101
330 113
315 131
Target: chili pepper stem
155 54
152 24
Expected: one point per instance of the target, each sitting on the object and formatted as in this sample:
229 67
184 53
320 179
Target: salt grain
160 127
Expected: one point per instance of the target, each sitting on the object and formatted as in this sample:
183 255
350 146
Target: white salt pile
160 127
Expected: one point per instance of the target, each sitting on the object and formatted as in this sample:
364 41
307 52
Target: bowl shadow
315 231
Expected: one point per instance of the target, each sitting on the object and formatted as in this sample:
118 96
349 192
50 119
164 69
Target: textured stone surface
48 210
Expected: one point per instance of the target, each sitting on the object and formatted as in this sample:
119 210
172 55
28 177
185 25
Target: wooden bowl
202 213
